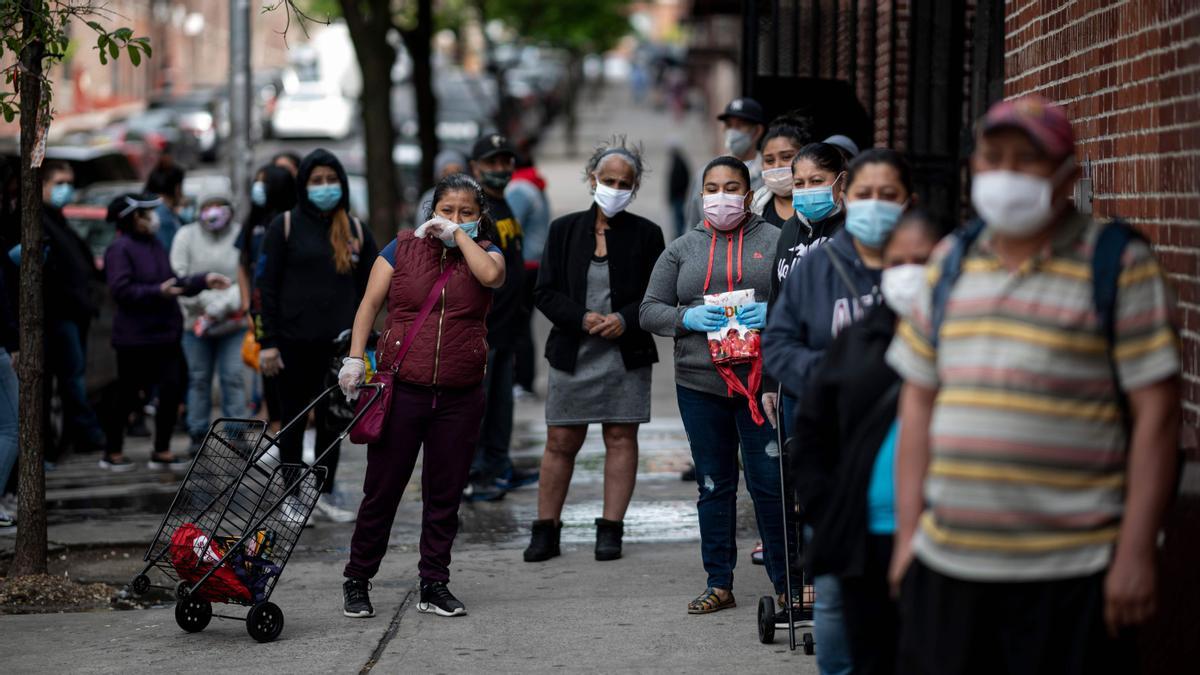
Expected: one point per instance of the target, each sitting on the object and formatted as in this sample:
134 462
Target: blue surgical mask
815 203
258 193
471 229
325 197
870 221
187 214
61 195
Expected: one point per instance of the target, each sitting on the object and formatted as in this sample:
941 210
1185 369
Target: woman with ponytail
316 263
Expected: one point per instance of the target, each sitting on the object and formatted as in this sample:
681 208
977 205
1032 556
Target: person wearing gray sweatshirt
731 249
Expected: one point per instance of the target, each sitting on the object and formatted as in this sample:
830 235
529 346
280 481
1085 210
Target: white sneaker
332 508
7 521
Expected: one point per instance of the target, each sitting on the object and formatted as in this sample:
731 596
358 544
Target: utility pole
240 153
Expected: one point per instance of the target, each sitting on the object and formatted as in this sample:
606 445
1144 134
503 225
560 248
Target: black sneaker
357 603
480 491
437 599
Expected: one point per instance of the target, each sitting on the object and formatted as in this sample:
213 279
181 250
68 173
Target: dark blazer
841 422
634 245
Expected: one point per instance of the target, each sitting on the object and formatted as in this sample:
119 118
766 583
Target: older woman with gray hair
594 272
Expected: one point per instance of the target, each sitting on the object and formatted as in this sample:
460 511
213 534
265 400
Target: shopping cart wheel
193 614
264 622
140 584
809 645
766 620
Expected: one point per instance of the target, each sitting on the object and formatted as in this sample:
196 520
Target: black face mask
496 180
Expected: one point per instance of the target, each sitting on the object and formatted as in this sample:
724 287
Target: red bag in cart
194 554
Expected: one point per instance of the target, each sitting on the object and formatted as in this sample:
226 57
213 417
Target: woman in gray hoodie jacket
731 249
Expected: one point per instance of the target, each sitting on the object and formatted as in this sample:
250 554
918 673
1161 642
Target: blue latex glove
753 316
703 318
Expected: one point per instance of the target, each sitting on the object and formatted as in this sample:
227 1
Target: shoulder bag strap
423 314
840 267
287 225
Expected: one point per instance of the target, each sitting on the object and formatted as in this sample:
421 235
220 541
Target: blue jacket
814 305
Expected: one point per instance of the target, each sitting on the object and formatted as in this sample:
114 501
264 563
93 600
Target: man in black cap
745 125
492 162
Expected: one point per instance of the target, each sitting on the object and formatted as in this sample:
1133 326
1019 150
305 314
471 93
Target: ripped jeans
716 426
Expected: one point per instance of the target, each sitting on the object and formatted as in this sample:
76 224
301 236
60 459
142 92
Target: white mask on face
900 286
738 142
611 200
1014 203
778 180
153 224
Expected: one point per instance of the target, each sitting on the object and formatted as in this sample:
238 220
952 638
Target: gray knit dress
600 390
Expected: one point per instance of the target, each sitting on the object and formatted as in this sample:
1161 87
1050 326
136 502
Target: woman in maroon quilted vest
437 399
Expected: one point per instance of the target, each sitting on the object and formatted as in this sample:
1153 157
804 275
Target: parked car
313 111
161 130
202 114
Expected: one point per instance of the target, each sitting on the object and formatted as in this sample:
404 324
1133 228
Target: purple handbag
372 416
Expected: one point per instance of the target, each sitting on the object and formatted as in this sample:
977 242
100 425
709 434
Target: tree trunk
30 554
419 43
375 58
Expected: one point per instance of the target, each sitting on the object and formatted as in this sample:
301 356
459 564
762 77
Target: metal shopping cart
234 523
791 618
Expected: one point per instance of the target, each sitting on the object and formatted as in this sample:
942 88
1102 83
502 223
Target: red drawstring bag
193 554
735 344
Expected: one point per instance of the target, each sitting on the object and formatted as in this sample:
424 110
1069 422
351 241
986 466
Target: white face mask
738 142
611 200
153 224
900 286
1014 203
778 180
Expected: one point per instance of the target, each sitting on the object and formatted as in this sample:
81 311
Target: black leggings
143 369
305 365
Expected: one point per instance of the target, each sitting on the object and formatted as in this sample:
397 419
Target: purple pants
446 422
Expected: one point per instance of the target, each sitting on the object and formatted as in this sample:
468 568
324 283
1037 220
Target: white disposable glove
351 375
270 362
439 227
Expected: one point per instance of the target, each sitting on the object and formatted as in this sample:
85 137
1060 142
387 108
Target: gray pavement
570 613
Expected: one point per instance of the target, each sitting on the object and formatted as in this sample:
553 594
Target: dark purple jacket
135 266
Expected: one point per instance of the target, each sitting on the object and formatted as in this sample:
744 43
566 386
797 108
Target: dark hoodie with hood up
304 297
814 306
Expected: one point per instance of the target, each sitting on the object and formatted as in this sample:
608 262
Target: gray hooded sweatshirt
727 261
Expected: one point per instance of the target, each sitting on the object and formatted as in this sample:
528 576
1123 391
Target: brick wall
889 37
1128 72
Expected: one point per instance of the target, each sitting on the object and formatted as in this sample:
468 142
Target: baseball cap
843 142
120 207
1045 123
490 145
745 108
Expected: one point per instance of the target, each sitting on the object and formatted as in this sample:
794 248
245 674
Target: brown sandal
709 602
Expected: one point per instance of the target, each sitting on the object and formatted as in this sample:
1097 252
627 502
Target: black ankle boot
543 544
608 538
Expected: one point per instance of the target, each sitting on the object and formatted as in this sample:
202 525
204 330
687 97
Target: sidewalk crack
392 629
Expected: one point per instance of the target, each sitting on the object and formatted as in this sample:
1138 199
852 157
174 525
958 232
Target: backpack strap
1107 254
952 264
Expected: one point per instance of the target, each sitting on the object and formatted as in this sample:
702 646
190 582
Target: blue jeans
206 357
69 365
716 426
787 414
829 623
8 417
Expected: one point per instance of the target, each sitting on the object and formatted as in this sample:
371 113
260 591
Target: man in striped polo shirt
1028 504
